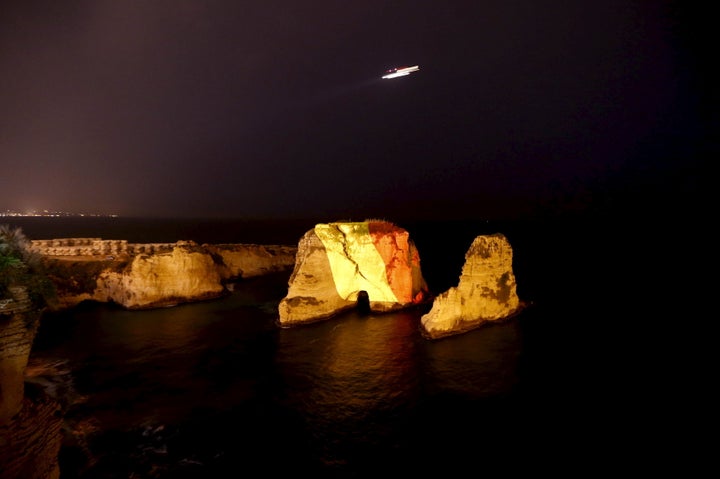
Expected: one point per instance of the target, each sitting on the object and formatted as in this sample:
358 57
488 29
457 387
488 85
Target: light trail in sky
400 72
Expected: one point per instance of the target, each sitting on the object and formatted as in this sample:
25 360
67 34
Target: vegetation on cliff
20 266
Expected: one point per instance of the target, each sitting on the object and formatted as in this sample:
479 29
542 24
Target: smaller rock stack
485 292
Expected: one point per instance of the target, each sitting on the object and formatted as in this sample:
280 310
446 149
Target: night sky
276 108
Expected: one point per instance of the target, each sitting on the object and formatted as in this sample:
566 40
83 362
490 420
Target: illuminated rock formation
166 279
30 420
485 292
250 260
338 263
143 276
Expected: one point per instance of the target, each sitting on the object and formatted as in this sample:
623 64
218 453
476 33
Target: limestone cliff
169 275
485 292
30 420
250 260
150 281
18 325
339 264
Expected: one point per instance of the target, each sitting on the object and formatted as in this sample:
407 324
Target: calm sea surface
217 389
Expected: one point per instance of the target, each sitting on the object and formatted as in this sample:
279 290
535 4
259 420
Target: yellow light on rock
355 262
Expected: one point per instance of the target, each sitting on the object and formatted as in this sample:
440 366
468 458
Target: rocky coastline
144 276
336 266
134 276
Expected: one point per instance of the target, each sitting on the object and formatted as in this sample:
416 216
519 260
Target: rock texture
17 333
30 420
178 273
250 260
338 264
485 292
30 442
158 280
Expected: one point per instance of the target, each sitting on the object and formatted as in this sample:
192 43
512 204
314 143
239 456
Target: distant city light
54 214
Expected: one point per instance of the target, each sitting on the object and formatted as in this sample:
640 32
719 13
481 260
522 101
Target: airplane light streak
400 72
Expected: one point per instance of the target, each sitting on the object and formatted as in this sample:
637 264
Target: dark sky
276 107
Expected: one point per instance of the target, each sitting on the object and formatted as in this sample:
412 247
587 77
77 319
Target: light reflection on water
480 364
219 380
343 373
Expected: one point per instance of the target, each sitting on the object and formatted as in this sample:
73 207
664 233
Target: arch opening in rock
363 302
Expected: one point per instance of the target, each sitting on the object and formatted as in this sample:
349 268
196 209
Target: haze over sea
217 389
